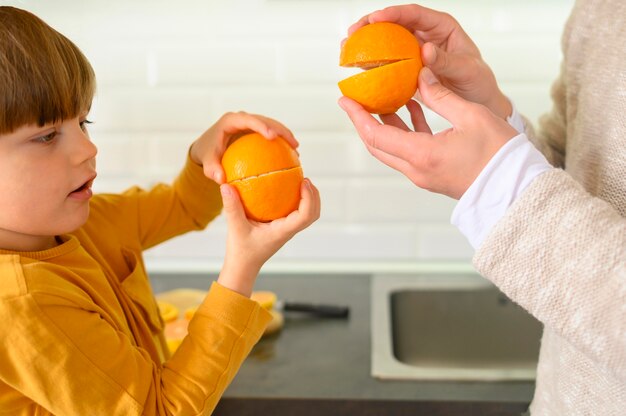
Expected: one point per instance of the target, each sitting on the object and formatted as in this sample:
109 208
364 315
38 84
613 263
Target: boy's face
45 182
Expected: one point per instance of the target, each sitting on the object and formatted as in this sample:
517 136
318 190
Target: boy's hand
250 244
208 149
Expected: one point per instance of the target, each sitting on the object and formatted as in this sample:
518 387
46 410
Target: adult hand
447 162
250 244
449 52
208 149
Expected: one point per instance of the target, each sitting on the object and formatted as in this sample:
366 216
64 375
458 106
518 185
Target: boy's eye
47 138
83 124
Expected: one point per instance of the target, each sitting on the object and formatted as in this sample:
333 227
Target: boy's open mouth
85 188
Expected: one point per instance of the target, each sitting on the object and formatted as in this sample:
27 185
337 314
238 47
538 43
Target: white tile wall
167 71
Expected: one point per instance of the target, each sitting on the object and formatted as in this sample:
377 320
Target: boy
82 333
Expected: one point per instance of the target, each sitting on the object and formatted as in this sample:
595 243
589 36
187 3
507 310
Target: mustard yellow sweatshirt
80 331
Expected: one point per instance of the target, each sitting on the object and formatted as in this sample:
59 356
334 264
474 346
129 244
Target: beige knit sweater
560 251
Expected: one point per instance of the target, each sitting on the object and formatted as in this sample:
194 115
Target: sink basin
450 327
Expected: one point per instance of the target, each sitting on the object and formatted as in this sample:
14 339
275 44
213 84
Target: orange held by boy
267 175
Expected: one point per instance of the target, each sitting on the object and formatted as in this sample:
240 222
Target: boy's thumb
232 204
440 99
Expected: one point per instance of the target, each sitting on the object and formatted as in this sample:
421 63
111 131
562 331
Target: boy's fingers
310 201
233 208
280 130
214 171
240 122
309 208
315 193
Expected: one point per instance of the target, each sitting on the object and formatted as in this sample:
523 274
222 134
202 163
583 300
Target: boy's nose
90 149
84 147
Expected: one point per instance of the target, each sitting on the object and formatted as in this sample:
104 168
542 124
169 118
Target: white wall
167 70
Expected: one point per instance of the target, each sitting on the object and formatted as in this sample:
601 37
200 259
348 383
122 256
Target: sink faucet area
456 327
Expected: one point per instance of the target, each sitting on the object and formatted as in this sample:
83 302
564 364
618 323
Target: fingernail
430 52
225 191
340 102
270 134
434 49
428 76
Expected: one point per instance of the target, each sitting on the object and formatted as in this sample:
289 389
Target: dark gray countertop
315 362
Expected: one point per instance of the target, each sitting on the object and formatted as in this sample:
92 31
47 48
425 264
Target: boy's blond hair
44 77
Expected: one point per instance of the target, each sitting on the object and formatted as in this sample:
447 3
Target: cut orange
167 311
266 173
390 55
189 312
372 88
265 298
175 332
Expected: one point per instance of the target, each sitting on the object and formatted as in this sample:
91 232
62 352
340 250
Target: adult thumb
440 99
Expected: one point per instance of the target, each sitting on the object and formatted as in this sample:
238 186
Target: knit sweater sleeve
561 254
552 140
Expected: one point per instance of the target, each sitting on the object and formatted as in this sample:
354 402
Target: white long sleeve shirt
500 183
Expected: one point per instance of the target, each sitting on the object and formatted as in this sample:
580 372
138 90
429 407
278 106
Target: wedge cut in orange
390 56
367 87
267 175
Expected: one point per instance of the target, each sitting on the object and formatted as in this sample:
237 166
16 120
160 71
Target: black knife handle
325 311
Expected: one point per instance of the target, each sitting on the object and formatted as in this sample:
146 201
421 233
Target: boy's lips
83 192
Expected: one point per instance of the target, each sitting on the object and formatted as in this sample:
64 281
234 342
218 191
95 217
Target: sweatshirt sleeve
51 361
215 349
561 254
148 217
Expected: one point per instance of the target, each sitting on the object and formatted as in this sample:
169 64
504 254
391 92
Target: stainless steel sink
450 327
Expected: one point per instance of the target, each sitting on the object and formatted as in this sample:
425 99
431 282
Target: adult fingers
389 139
417 117
394 120
357 25
429 24
412 16
443 64
393 162
441 100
